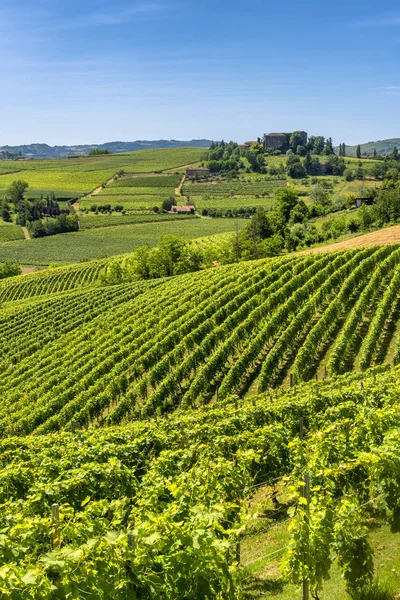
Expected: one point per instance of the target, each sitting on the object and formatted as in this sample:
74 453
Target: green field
78 176
152 427
97 243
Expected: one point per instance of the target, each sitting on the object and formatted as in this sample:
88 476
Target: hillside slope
107 355
381 147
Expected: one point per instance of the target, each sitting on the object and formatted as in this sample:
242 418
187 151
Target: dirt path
26 270
178 190
26 233
389 235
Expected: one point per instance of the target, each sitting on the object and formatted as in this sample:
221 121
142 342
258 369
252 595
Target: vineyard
223 194
72 178
52 281
88 221
141 423
182 342
135 192
98 243
159 509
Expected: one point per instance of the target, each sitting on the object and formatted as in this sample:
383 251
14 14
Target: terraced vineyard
237 329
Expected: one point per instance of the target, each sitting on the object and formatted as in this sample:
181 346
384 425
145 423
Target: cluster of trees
298 168
384 209
224 158
315 145
42 216
241 213
9 269
174 256
98 152
61 224
106 208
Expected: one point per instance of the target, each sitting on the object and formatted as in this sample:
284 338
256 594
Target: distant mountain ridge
46 151
381 146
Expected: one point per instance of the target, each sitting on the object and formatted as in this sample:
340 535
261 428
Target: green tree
295 168
16 192
5 213
295 140
358 152
286 199
98 152
308 163
300 213
168 203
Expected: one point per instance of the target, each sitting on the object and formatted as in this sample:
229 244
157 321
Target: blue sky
91 71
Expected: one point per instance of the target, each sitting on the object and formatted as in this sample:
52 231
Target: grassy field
97 243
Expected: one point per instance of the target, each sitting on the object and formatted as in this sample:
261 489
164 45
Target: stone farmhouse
280 141
187 209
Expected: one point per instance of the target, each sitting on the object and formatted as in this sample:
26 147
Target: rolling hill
381 146
45 151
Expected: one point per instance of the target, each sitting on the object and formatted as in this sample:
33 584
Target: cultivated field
192 453
75 177
91 244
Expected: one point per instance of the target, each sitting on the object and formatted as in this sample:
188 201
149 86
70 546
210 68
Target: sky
92 71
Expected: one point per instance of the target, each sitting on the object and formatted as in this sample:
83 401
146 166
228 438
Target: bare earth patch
390 235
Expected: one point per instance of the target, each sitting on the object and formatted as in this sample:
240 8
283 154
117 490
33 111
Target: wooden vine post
131 540
306 495
55 521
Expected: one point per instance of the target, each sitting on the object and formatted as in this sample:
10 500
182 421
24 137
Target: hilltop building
281 141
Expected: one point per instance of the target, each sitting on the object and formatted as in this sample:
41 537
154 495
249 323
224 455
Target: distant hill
45 151
381 146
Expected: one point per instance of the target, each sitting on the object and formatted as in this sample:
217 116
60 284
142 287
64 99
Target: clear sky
91 71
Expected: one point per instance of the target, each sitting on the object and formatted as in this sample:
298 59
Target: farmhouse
280 141
200 172
188 209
